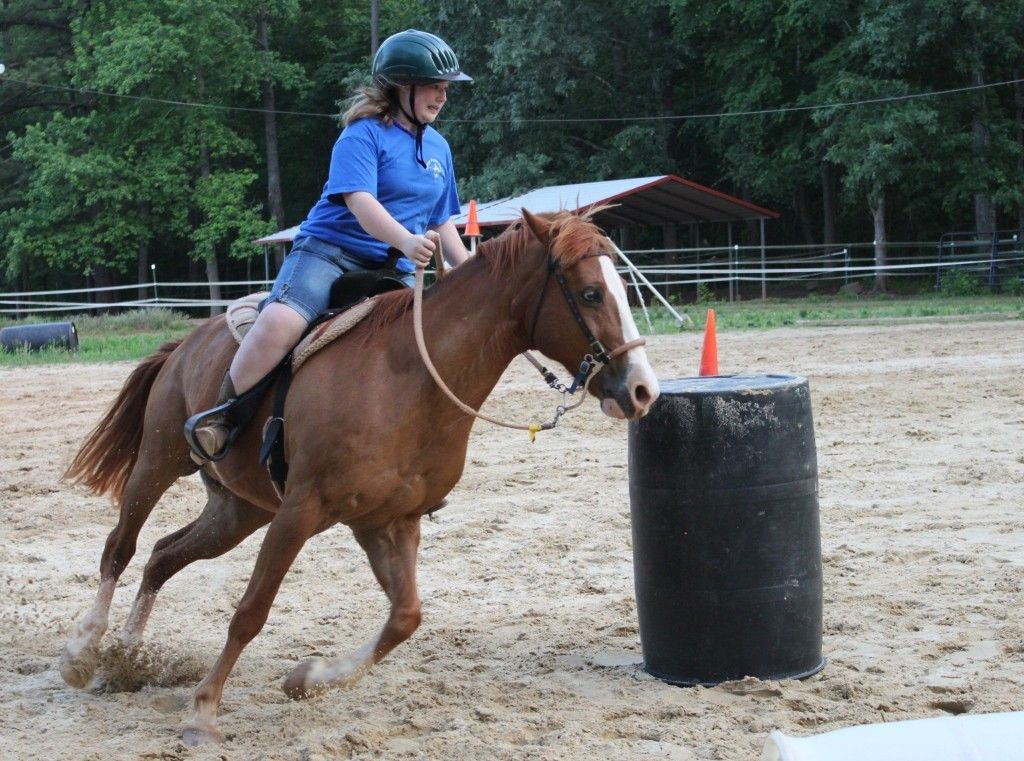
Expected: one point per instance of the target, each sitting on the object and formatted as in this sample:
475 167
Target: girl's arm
374 218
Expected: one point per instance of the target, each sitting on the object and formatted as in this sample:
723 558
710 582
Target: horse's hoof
194 736
78 671
295 685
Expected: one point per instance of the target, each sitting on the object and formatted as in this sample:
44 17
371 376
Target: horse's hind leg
392 554
225 521
150 478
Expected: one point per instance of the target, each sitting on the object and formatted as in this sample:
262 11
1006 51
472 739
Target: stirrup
236 411
196 421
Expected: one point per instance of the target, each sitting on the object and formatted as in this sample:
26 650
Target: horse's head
581 314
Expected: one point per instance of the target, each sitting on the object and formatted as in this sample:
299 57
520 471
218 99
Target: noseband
598 356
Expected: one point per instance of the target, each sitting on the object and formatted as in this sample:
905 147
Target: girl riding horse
372 440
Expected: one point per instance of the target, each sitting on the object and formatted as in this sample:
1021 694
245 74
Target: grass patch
778 313
129 336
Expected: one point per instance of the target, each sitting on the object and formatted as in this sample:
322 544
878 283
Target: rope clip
586 367
533 429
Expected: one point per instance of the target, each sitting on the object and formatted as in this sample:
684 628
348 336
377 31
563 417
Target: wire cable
551 120
162 101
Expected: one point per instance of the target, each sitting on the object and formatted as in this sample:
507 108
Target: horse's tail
107 457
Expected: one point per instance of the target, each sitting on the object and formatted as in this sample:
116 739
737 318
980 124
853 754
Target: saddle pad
328 331
242 313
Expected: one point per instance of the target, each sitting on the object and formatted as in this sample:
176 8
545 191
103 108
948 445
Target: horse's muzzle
628 394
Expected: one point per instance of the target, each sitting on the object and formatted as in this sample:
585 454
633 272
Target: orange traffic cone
709 356
472 226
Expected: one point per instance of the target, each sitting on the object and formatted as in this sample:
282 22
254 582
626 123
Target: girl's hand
420 248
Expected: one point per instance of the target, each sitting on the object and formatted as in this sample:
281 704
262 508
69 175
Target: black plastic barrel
60 335
723 485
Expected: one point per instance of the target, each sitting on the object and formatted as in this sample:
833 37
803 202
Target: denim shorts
310 269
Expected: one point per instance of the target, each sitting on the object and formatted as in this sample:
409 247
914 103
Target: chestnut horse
371 440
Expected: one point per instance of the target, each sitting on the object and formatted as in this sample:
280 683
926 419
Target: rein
588 367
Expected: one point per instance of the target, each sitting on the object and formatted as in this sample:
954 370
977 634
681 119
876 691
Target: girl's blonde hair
370 100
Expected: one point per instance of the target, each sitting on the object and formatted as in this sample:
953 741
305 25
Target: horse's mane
390 306
572 237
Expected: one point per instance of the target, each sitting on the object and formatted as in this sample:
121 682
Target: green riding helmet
413 57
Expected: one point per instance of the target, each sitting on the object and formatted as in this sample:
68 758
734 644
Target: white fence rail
663 269
35 302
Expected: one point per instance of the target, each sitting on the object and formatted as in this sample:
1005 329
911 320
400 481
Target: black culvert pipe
60 335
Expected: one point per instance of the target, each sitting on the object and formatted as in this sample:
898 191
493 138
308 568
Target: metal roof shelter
281 236
659 200
664 201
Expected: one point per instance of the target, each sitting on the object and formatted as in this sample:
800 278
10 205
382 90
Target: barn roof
658 200
643 200
286 235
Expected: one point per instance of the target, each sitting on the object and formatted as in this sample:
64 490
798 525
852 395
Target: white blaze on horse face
640 373
614 284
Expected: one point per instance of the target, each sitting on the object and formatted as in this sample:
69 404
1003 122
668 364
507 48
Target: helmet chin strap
420 126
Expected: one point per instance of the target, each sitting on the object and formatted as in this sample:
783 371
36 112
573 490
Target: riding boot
213 436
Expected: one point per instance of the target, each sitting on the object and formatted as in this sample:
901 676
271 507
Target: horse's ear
540 228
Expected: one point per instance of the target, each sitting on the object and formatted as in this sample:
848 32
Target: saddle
242 314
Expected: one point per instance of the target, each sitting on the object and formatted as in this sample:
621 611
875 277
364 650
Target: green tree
150 171
84 209
274 73
939 158
878 148
563 92
35 46
985 44
767 60
557 61
328 45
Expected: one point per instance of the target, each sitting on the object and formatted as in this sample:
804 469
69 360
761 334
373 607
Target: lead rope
417 322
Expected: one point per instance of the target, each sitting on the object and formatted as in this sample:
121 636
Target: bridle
592 362
598 356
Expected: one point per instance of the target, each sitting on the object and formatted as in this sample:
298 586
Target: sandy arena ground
529 646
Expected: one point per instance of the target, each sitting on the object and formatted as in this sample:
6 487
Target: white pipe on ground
982 737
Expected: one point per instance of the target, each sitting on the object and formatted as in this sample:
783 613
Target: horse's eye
592 295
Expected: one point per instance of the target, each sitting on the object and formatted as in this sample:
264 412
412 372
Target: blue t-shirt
381 160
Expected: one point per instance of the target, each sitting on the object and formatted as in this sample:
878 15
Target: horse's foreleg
392 554
224 523
288 531
81 654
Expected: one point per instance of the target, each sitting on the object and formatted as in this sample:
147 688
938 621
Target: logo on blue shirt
435 168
